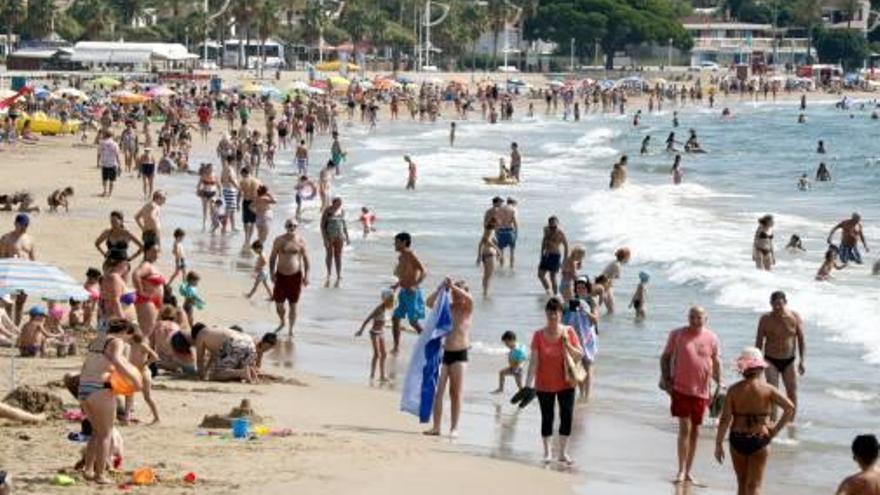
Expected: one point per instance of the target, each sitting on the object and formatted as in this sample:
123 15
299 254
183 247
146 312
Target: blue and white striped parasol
18 275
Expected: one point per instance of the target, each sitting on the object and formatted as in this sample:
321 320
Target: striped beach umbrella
21 276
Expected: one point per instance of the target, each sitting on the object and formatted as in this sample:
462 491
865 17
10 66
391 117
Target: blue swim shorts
410 305
505 238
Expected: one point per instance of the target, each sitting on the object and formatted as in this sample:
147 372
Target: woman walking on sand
746 413
547 372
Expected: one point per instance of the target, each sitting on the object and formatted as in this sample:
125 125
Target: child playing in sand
377 333
640 297
189 291
35 336
516 358
261 274
828 266
179 254
368 220
141 356
59 198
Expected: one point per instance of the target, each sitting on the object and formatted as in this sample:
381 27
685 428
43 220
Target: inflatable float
500 181
43 124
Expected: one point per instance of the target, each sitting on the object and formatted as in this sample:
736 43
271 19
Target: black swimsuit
117 250
780 364
745 443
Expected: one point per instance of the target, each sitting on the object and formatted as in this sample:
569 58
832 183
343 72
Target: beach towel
586 332
420 382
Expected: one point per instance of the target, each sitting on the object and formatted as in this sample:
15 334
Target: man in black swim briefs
455 353
551 256
781 338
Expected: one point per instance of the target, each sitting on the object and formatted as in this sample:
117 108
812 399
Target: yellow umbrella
251 88
335 65
105 81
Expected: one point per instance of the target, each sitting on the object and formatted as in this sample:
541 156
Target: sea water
694 239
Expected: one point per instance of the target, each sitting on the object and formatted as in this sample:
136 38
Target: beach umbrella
337 81
70 93
557 84
299 86
42 93
21 276
160 91
129 98
105 81
7 93
250 88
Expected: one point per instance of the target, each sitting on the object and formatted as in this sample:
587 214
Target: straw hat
750 358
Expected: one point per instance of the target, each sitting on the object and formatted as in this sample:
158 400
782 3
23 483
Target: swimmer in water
644 150
795 244
637 118
677 172
822 173
674 119
671 142
828 266
725 113
802 119
804 183
820 147
692 145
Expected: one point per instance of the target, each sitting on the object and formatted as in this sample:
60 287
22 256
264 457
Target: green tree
67 27
809 15
127 11
243 11
95 17
613 23
40 19
11 14
267 23
845 46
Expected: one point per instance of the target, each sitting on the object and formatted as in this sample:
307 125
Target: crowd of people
146 326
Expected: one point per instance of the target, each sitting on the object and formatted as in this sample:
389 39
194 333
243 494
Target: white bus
272 51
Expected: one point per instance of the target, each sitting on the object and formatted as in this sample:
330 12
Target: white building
133 55
730 43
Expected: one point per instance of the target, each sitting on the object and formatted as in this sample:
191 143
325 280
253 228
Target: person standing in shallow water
551 257
289 266
455 353
781 338
691 358
746 413
865 450
410 273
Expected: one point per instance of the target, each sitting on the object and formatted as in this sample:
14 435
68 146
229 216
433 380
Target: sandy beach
347 436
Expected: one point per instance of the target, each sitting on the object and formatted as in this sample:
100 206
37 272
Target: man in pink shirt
691 358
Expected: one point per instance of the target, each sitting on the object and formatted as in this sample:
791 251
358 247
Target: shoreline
227 290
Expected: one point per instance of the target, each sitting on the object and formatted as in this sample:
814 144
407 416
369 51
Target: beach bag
575 372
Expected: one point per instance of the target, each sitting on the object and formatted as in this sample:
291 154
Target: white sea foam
675 227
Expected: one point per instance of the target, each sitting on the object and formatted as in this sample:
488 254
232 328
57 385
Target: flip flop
528 397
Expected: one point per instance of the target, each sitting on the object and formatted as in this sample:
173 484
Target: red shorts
287 287
689 406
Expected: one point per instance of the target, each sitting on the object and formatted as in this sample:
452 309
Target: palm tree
267 25
497 16
243 12
128 10
809 14
12 13
95 17
850 8
40 19
473 21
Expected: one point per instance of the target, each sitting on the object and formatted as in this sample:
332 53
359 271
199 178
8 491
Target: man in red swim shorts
289 266
690 360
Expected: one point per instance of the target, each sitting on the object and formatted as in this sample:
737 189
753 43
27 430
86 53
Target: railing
746 44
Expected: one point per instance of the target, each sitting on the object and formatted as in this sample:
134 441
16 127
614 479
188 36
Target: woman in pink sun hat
746 413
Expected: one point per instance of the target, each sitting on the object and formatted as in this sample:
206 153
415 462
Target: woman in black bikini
747 412
117 239
762 246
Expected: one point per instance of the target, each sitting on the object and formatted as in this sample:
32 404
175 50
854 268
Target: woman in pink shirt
547 372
